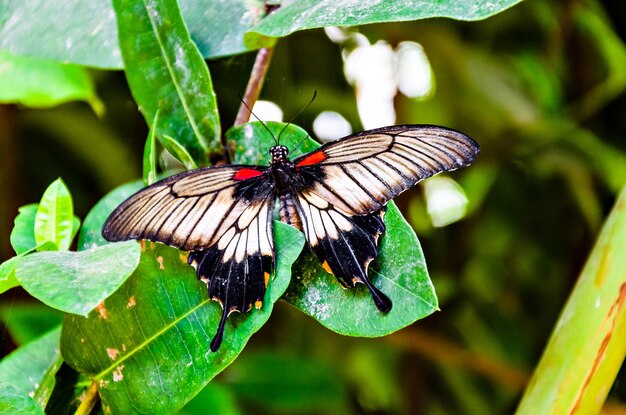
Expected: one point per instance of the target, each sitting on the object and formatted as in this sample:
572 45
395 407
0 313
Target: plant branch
90 400
259 70
443 351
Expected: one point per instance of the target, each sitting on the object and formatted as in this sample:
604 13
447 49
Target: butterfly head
279 153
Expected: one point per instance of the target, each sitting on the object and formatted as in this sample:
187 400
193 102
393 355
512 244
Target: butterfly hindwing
344 244
223 215
237 268
361 173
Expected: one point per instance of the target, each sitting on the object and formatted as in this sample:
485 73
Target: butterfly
335 194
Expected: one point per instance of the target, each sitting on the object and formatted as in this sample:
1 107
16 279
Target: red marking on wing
312 158
245 174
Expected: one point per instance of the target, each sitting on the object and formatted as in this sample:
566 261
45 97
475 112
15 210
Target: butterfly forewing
191 210
361 173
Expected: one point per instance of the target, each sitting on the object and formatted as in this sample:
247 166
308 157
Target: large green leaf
43 83
84 31
91 233
309 14
30 369
76 282
166 72
13 401
400 270
54 220
148 345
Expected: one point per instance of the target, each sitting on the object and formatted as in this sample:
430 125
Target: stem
90 400
444 352
259 70
588 344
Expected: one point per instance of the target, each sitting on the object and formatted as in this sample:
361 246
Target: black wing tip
219 335
382 302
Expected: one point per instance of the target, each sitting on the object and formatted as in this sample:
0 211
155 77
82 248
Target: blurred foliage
540 86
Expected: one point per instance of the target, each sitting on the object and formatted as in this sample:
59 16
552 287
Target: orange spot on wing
245 174
327 267
267 278
258 304
312 158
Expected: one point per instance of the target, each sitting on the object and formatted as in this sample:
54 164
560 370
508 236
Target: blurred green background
541 87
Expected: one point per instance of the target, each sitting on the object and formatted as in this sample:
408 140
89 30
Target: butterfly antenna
258 119
298 114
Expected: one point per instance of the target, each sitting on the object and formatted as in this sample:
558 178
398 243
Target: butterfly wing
342 188
361 173
223 215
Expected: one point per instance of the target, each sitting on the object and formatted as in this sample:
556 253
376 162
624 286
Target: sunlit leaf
309 14
85 31
54 220
13 401
76 282
23 233
178 151
166 72
7 275
149 154
31 368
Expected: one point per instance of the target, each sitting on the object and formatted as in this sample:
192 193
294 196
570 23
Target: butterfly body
336 195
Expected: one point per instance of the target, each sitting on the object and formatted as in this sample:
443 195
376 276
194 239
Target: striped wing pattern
361 173
237 268
344 244
224 221
190 210
345 185
335 194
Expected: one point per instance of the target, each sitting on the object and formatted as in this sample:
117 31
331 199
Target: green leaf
76 282
23 233
7 275
166 72
587 346
149 154
26 321
13 401
219 398
148 345
310 14
85 31
42 83
55 215
400 270
91 233
178 151
30 369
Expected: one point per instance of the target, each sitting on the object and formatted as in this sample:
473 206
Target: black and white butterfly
336 195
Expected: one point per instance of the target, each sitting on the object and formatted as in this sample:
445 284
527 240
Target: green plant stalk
588 343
